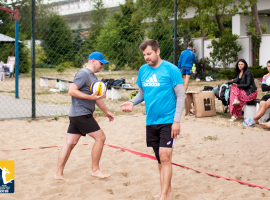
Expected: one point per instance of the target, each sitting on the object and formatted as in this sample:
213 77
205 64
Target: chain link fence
66 32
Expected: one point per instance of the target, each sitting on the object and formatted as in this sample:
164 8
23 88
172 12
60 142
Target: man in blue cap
81 116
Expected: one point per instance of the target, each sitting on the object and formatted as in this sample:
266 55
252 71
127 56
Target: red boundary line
217 176
154 158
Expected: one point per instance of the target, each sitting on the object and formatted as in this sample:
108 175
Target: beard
152 63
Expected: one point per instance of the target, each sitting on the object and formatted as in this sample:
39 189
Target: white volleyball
98 87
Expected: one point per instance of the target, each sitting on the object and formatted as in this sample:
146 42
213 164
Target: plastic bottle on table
133 81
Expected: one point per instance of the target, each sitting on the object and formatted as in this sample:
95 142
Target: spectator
264 103
185 63
243 89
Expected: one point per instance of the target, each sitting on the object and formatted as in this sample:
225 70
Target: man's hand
94 96
234 84
127 106
175 129
110 116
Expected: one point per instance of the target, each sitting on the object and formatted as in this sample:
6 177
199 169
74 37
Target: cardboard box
204 103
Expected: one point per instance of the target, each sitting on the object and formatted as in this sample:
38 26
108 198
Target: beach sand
238 153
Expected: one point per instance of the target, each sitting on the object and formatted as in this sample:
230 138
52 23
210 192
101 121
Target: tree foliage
220 10
162 31
57 40
97 19
121 36
184 37
225 49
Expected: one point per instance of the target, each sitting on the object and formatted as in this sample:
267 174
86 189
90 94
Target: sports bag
119 82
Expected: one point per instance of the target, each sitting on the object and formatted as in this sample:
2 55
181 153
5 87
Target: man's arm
128 105
75 92
138 98
194 58
179 62
104 109
265 88
180 98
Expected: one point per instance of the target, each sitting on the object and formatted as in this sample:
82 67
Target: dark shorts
186 71
265 97
159 135
82 125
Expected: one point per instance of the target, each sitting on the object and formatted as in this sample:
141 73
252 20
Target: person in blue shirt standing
161 87
185 63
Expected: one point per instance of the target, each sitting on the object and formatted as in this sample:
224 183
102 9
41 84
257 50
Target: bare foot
169 195
99 174
59 177
263 125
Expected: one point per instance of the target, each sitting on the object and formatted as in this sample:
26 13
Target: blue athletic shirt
157 84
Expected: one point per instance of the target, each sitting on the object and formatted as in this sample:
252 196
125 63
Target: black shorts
82 125
159 135
265 98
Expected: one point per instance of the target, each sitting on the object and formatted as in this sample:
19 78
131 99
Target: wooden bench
115 92
61 83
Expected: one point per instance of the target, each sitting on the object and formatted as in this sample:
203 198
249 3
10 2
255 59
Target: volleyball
98 87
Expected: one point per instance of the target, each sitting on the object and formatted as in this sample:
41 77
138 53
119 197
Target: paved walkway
12 108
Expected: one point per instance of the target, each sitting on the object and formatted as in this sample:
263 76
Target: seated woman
243 89
264 103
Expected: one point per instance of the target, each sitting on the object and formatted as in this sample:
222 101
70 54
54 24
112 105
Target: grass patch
63 92
224 115
42 93
210 138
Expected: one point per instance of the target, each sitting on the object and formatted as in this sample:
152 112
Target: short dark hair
268 62
150 42
190 45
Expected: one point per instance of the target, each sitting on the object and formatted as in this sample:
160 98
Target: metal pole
175 32
17 59
33 39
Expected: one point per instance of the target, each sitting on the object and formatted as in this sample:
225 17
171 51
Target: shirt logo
152 81
6 176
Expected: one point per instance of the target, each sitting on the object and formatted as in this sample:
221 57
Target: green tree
79 43
121 36
225 49
184 36
24 6
162 31
57 40
97 19
255 31
7 27
220 10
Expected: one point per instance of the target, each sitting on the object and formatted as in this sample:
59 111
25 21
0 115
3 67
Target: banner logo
6 176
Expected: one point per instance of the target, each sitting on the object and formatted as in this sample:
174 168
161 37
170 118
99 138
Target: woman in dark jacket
243 89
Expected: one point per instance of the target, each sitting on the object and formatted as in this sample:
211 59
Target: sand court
237 153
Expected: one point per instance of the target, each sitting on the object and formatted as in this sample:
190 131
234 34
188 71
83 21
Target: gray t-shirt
83 79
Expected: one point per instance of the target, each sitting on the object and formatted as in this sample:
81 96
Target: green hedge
258 72
45 65
227 74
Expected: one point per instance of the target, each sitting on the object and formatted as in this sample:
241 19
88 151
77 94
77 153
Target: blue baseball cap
98 56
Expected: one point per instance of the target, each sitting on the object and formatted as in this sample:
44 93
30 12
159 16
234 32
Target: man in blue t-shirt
161 87
185 63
